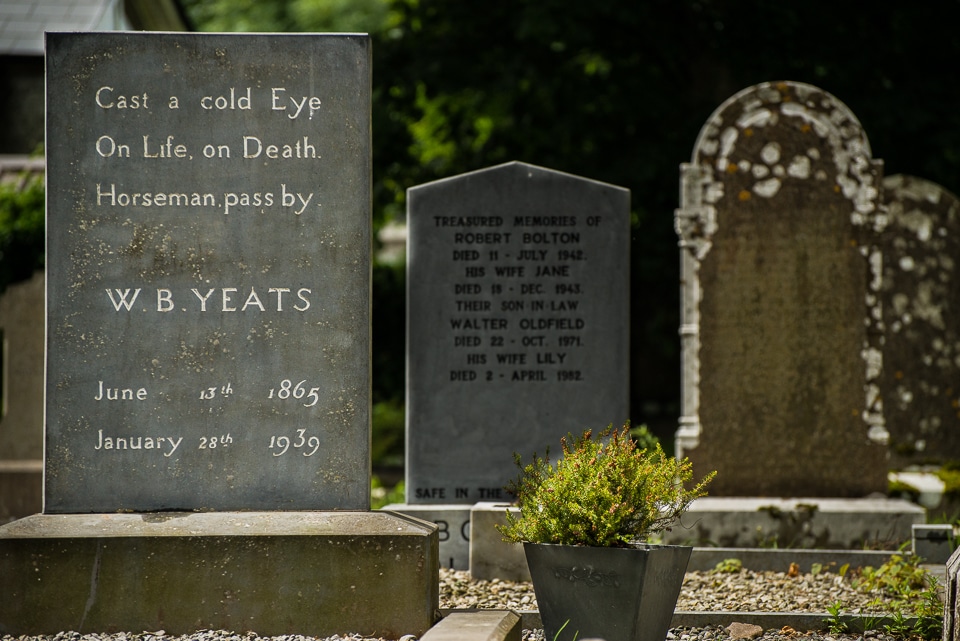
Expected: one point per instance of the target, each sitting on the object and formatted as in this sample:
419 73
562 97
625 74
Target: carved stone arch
787 168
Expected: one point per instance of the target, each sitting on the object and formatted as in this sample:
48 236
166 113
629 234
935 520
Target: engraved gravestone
208 272
780 278
518 310
921 291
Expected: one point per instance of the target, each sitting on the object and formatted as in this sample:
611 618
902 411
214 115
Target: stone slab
453 530
490 556
517 333
476 625
208 224
929 487
933 542
310 573
796 523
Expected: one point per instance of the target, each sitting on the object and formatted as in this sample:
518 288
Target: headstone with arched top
780 272
921 294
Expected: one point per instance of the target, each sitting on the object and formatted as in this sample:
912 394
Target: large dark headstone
208 272
518 312
921 313
780 277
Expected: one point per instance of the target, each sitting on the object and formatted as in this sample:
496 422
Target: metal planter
615 594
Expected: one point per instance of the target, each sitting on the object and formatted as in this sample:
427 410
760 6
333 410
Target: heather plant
604 492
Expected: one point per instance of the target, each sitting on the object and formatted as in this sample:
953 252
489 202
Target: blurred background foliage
617 91
22 242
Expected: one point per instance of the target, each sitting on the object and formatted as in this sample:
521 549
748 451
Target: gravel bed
702 591
743 591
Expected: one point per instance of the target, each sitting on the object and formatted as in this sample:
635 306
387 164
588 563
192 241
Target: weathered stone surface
208 278
951 631
482 625
21 421
780 349
490 556
518 307
314 573
797 523
920 384
933 542
739 631
453 527
21 328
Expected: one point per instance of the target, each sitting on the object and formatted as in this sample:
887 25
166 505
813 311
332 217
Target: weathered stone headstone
951 598
518 307
208 281
21 417
920 384
208 352
518 325
780 317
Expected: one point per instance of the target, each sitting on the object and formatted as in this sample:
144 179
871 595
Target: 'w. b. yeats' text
212 299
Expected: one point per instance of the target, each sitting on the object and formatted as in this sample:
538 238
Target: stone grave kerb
780 316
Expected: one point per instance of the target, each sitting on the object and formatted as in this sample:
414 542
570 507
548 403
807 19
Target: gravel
743 591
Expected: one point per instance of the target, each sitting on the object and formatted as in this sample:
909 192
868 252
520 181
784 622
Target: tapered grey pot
616 594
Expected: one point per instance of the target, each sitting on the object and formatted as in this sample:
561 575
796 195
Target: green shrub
21 229
644 438
604 492
386 447
914 593
381 495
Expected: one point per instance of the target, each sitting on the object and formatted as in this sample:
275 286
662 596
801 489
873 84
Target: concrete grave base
840 524
453 529
274 573
797 523
490 556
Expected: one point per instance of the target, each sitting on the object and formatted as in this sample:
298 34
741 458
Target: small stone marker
921 293
781 354
208 280
518 308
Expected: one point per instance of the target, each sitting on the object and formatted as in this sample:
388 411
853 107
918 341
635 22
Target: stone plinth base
453 523
797 523
490 556
274 573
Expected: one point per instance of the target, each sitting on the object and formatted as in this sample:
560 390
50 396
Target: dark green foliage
644 438
604 492
389 366
21 229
